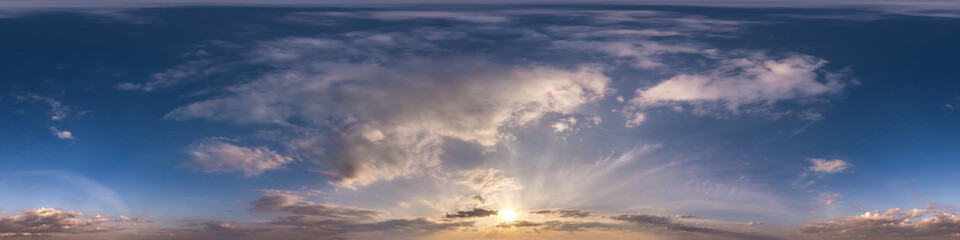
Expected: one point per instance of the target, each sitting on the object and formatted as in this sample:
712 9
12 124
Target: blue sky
730 120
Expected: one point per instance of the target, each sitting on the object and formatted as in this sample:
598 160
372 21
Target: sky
684 120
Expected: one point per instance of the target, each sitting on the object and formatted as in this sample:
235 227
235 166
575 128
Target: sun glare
507 214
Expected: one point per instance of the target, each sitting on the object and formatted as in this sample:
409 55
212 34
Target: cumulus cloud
393 120
43 221
890 224
752 80
218 156
828 166
564 213
62 134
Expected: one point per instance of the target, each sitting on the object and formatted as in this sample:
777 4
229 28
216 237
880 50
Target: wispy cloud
218 156
828 166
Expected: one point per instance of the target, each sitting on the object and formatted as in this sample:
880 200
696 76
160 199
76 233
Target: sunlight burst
507 214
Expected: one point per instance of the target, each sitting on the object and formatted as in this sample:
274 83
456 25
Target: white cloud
564 124
394 118
62 134
751 84
828 166
216 156
742 81
487 180
635 119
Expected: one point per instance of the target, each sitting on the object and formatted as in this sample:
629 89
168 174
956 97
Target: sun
507 214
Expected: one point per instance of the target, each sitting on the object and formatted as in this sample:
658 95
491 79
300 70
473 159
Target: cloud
334 228
564 213
478 17
228 229
58 111
62 134
642 219
43 221
564 124
411 108
217 156
753 80
487 180
673 226
637 223
565 226
90 187
297 205
122 218
889 224
180 74
828 166
645 54
476 212
333 221
396 15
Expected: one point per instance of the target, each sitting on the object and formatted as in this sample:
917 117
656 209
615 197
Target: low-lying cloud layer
890 224
44 221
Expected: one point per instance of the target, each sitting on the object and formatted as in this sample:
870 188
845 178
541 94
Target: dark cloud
564 213
332 228
636 223
476 212
643 219
296 205
678 227
227 229
479 199
564 226
332 221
